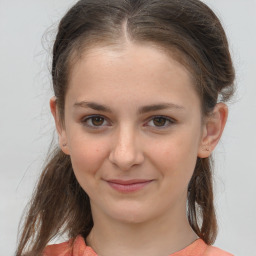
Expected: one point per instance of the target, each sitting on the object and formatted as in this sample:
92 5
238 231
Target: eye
160 122
95 121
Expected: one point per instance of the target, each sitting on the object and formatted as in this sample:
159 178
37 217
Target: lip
128 186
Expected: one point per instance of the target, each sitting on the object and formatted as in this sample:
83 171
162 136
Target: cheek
87 155
176 155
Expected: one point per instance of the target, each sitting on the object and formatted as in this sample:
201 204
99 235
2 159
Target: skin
126 145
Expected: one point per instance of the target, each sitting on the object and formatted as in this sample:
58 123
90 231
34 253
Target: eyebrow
141 110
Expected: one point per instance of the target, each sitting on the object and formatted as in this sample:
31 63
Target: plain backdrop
26 127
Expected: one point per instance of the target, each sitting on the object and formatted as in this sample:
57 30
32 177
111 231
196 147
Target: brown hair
187 27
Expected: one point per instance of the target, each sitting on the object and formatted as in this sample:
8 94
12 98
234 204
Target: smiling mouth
128 186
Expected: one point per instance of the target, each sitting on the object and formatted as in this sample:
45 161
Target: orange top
197 248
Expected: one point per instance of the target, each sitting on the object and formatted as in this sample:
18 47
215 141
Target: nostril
126 157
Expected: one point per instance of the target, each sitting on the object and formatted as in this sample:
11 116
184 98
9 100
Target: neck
159 236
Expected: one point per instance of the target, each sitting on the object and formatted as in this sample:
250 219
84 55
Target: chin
131 214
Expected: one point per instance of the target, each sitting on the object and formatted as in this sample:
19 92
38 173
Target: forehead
144 71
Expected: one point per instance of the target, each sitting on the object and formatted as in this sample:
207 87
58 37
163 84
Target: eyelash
85 120
167 119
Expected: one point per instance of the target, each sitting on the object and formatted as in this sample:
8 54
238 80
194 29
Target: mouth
128 186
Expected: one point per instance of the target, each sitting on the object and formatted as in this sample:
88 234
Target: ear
212 130
59 126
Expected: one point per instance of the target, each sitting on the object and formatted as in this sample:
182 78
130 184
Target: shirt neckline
195 248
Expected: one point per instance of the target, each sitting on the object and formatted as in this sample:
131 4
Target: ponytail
201 202
59 206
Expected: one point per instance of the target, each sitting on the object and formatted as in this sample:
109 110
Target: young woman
139 87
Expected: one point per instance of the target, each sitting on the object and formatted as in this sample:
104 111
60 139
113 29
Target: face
133 130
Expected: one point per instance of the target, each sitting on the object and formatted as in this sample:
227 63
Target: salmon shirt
79 248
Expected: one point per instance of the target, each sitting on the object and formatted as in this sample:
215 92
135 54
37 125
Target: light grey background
26 126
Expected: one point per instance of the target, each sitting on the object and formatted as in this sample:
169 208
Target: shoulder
63 249
214 251
73 247
200 248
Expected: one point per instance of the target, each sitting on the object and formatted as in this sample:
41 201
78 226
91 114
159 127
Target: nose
126 151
